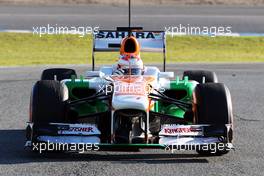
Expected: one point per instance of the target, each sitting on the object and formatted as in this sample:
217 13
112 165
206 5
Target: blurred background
19 18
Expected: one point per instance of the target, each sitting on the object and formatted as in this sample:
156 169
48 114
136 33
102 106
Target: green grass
28 49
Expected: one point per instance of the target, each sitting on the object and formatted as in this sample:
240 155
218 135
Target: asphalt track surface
245 81
241 19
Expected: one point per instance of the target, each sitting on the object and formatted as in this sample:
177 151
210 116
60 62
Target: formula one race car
131 106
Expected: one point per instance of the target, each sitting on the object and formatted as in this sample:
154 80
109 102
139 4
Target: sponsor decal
81 129
181 130
78 129
177 130
120 34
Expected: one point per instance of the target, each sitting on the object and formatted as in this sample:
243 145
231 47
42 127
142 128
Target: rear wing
110 40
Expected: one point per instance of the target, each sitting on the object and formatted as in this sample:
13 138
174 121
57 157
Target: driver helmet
129 62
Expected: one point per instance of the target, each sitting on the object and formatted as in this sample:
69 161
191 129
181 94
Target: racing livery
130 105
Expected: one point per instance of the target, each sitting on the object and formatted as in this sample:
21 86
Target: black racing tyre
197 75
48 102
58 73
214 107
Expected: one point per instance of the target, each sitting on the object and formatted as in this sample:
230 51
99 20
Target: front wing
177 137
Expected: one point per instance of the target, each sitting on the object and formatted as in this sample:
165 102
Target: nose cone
130 94
130 102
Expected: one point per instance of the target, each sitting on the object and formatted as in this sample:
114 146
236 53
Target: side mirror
166 75
94 74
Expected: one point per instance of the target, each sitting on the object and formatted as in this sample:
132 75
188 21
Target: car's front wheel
48 102
213 106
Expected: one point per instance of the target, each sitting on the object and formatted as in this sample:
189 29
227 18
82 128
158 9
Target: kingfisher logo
120 34
177 130
81 129
183 130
